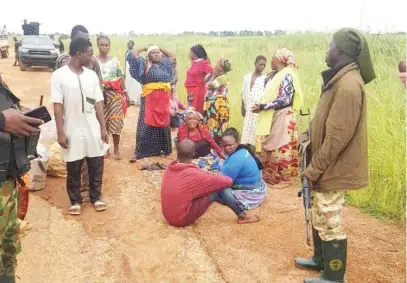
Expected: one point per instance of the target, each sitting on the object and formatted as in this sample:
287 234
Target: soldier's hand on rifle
20 125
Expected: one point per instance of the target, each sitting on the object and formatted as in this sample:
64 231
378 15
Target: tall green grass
386 194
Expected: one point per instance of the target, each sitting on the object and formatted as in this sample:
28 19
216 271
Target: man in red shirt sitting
187 192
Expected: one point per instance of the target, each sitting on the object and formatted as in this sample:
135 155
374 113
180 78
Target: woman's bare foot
117 154
286 181
133 159
247 219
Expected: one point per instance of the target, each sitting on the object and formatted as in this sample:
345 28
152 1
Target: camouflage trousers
9 230
326 214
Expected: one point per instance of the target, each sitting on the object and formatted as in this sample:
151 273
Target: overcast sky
161 16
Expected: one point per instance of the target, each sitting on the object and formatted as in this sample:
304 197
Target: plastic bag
38 173
56 164
48 134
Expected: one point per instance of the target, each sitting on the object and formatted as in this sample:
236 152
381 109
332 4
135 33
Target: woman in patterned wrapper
154 72
116 98
281 100
216 107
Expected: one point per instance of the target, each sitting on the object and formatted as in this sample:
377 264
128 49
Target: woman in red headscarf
198 75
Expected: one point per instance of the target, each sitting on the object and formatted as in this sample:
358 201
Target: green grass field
386 194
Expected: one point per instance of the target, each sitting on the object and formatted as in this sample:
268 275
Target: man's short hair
260 57
186 149
78 45
76 29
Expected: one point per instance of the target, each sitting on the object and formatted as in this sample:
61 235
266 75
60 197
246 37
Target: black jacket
13 158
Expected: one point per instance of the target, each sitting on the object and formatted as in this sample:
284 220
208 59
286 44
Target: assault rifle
305 158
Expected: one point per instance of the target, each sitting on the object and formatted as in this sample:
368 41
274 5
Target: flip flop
99 205
75 209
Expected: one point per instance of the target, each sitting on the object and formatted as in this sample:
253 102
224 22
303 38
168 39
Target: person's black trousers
73 180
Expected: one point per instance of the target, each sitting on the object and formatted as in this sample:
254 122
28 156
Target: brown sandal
133 159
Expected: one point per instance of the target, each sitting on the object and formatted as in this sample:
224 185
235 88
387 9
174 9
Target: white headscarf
152 48
191 110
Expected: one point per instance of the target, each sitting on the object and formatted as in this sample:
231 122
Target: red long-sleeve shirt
183 134
185 191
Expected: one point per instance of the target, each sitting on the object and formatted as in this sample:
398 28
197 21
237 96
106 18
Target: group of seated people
188 188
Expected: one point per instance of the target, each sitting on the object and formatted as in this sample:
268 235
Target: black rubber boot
334 254
316 262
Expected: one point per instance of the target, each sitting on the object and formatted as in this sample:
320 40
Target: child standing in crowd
175 107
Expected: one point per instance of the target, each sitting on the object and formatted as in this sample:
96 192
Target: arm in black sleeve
2 122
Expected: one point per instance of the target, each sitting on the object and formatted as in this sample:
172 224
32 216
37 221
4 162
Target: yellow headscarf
271 91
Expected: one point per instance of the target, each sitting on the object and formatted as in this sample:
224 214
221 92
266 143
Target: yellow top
149 88
271 93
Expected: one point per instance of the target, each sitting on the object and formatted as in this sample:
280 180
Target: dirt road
131 242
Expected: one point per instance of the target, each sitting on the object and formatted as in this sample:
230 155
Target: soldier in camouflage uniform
13 165
9 229
339 145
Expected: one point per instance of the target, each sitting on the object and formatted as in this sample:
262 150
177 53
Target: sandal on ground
24 225
100 205
248 219
75 209
153 166
133 159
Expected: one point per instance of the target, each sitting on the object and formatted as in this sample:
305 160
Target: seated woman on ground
187 192
243 167
202 138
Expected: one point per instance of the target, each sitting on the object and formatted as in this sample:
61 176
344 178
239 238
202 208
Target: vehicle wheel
23 67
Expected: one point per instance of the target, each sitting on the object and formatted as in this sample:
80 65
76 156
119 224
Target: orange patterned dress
279 150
216 108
